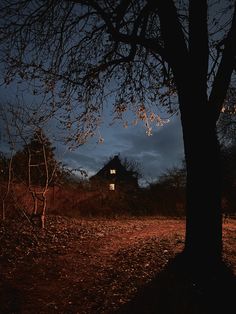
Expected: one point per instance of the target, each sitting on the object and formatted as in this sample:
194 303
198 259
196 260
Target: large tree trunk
203 243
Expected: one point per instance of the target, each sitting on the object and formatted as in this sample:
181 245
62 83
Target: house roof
121 171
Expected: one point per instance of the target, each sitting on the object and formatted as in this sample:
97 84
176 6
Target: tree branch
225 70
150 44
173 36
198 42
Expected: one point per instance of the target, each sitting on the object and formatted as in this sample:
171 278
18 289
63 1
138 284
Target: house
116 176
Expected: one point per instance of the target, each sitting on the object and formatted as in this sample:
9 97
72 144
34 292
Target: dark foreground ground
109 266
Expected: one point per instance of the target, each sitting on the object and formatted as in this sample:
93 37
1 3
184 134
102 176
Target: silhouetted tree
226 125
227 134
133 166
5 180
166 196
29 163
174 177
8 142
144 52
3 167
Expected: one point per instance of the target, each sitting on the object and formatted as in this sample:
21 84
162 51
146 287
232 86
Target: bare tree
38 189
143 53
35 167
8 139
133 166
6 182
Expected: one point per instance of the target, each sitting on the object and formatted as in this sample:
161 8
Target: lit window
112 171
112 187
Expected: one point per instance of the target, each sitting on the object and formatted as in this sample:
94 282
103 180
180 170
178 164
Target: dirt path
110 245
91 267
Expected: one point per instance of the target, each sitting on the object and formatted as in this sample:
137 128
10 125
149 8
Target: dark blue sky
156 153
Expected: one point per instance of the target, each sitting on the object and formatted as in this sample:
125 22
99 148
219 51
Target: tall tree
145 53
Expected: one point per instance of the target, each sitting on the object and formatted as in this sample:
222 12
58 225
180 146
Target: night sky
155 153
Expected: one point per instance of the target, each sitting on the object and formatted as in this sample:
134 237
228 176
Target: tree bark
203 242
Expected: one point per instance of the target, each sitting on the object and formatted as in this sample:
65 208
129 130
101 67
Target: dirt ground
88 266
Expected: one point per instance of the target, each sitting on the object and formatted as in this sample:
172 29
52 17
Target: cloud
162 150
156 153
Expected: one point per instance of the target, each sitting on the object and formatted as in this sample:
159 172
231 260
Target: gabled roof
121 172
114 163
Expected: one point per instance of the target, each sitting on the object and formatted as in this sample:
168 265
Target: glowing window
112 171
112 187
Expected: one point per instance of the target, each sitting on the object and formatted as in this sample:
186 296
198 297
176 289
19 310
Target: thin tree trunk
43 216
35 199
3 210
9 179
45 187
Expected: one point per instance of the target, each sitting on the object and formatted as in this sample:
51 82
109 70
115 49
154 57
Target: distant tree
226 125
132 166
174 177
3 167
227 134
166 196
71 176
144 52
5 180
29 163
6 159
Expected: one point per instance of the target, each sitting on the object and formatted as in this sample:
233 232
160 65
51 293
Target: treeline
33 183
166 196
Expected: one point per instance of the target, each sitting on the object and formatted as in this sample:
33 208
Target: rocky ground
88 266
